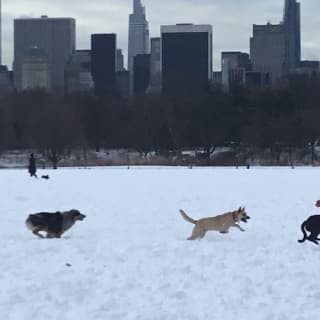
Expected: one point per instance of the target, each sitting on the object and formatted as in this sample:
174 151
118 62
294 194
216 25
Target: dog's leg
204 232
313 238
36 232
197 233
51 235
238 226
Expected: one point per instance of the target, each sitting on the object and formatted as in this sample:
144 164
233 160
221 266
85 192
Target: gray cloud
231 19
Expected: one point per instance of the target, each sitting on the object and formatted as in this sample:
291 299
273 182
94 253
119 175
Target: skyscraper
234 65
291 22
155 65
276 48
78 76
186 58
35 70
103 63
138 35
57 36
122 80
120 61
267 50
6 85
141 73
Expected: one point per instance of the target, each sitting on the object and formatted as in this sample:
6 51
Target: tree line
284 117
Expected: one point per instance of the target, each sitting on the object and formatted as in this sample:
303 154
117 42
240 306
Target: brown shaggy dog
54 224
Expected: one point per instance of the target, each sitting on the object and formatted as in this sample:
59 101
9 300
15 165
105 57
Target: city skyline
229 33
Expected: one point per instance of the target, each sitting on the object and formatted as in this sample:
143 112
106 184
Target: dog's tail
187 218
304 232
29 222
33 221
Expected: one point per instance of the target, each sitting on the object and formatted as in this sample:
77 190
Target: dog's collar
234 216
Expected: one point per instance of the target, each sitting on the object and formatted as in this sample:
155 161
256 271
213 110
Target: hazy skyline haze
231 19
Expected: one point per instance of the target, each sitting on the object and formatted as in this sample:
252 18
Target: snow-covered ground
129 260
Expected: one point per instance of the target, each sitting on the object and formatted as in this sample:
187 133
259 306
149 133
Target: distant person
248 166
32 166
318 204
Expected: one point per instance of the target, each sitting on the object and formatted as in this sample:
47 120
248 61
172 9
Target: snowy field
129 260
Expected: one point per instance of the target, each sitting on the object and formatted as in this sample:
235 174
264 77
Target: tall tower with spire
291 22
138 35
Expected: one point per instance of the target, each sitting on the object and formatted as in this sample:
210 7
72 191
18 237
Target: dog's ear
75 212
240 209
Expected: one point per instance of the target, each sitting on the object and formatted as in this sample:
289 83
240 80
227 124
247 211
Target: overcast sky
231 19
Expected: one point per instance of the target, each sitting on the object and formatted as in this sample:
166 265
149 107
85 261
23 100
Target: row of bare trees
281 118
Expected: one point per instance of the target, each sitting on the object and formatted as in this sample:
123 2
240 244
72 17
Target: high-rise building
122 79
276 48
310 68
255 79
35 70
138 35
217 78
234 65
186 58
57 36
103 63
291 22
155 65
78 76
6 85
141 73
267 50
120 61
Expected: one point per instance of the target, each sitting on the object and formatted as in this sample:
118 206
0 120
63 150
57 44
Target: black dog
45 177
54 224
312 224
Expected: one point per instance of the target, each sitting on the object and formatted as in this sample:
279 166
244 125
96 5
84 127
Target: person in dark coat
32 166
